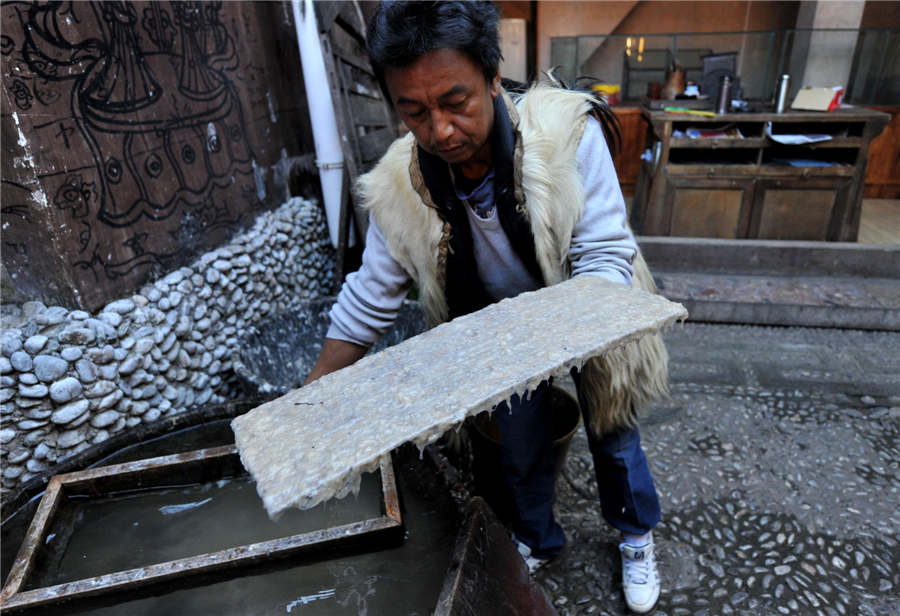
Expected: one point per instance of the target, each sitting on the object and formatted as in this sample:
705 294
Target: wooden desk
744 188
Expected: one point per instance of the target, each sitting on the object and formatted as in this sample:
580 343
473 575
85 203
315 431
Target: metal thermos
723 103
781 94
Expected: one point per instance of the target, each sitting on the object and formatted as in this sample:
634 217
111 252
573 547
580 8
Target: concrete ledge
771 257
769 282
791 315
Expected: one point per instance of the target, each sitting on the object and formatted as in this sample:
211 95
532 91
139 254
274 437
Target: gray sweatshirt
602 245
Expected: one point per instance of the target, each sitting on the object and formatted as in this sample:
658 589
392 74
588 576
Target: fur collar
549 124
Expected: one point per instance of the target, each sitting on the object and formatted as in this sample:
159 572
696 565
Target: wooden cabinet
752 186
633 128
701 206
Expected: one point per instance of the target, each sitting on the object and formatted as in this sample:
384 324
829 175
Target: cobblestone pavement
777 468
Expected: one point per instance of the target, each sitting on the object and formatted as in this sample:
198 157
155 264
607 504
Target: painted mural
132 120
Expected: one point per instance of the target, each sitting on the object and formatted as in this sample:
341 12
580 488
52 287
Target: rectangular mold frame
150 473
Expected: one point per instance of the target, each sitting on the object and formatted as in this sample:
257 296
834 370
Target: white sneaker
532 562
640 579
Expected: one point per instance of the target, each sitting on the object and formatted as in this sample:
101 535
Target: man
485 199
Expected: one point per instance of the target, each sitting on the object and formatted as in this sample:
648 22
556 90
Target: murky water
405 580
93 536
210 434
131 530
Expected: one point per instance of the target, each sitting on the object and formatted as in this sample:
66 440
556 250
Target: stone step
809 301
776 282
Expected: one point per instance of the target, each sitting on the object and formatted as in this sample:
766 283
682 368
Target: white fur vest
550 123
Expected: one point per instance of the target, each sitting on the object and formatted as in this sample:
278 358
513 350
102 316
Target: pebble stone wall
70 379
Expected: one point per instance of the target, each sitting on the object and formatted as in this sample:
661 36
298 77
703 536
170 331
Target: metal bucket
488 468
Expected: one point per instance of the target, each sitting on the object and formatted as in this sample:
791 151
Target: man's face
444 99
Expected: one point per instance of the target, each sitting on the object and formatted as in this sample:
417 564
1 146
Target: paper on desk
726 132
795 139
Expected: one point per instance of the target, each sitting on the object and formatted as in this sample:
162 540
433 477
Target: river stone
52 316
38 413
99 437
70 412
71 438
33 391
121 306
48 368
6 394
102 355
87 371
6 435
109 371
72 353
143 346
12 472
30 424
110 400
105 419
17 456
41 451
21 361
5 366
113 319
173 278
29 309
65 389
313 443
100 389
11 342
35 466
151 415
35 343
78 335
28 378
129 365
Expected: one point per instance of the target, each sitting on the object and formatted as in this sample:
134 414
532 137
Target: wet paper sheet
313 443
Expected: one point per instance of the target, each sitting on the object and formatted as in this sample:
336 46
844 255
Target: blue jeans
628 497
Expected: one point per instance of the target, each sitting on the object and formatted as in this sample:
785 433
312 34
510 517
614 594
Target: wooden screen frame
145 474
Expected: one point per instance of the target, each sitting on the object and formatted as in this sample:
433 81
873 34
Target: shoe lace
637 571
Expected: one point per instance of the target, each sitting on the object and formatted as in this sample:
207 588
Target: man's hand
336 354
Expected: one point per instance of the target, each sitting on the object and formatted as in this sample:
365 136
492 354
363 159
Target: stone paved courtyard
777 466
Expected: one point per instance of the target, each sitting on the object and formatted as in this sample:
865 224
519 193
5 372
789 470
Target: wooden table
746 187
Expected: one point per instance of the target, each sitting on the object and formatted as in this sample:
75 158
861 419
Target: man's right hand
336 354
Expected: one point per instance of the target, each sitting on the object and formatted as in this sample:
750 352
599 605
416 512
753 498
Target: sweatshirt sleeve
372 296
602 243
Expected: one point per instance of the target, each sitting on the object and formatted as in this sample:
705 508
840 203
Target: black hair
401 32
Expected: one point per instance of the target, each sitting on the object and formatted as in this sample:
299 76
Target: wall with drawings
137 135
